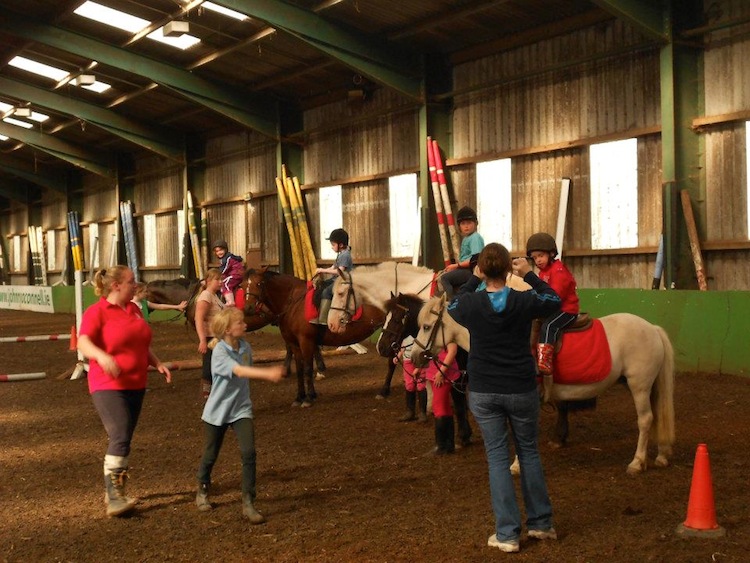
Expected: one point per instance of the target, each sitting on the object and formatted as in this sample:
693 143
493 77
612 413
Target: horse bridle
351 299
393 333
260 309
427 348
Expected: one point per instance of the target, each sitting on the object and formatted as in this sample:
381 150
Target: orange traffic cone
73 339
701 513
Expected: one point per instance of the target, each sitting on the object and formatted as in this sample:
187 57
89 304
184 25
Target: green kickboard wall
709 330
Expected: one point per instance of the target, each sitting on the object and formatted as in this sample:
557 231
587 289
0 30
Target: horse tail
662 395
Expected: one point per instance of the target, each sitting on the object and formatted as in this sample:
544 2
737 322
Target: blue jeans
494 412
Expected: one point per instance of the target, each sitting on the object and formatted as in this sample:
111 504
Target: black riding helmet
466 213
220 244
339 236
541 242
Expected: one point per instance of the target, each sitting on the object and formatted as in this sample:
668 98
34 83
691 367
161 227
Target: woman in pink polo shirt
117 341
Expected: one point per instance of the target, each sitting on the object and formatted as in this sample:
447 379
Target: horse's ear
443 299
392 295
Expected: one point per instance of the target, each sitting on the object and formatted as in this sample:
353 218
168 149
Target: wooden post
695 246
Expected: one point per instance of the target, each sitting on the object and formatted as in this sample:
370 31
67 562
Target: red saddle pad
584 356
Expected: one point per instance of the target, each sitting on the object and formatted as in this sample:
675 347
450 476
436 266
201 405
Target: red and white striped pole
36 338
455 242
22 376
438 203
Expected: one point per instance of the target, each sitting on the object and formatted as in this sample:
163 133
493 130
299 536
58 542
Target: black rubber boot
411 402
422 413
444 442
248 510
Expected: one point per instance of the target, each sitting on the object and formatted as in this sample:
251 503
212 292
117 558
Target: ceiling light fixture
22 111
176 28
85 80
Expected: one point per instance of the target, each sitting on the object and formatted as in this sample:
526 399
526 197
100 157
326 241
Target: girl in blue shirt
229 404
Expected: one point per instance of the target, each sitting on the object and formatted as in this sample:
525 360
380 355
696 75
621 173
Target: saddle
582 323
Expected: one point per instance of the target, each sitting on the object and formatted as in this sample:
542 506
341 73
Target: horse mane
371 280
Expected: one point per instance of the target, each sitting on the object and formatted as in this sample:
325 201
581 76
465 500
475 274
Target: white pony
641 353
375 285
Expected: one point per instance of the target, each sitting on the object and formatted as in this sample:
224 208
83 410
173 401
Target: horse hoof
635 468
319 376
296 404
554 445
306 404
379 397
661 462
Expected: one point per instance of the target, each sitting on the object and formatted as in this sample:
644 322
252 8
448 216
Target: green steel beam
78 156
682 153
391 66
243 107
648 15
158 141
22 169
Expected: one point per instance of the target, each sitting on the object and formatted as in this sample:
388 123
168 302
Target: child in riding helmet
232 271
339 240
455 275
542 249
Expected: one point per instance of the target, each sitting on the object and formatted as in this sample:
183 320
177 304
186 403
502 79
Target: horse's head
257 311
343 302
432 334
400 321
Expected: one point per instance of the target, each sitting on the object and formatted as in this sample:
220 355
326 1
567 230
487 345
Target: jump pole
81 367
22 376
438 203
562 213
35 338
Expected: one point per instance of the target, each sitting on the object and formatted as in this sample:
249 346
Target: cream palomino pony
641 353
376 285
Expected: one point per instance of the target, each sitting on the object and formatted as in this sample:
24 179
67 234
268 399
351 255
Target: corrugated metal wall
237 165
54 218
542 97
381 138
535 104
18 223
727 91
157 187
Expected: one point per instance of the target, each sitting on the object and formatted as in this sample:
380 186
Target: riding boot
325 306
249 511
545 353
460 408
201 497
422 413
117 502
411 402
444 441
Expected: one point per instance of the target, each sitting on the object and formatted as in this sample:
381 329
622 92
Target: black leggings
206 373
119 412
244 429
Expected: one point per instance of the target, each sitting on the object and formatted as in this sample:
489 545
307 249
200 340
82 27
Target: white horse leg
645 419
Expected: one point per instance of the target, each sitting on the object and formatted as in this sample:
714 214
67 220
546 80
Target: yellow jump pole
300 223
305 231
296 262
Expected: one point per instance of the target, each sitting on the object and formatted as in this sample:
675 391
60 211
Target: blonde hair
223 319
213 274
104 278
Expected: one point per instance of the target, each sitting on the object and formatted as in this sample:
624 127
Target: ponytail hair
104 278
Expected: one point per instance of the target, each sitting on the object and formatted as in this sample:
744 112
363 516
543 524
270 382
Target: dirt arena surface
342 481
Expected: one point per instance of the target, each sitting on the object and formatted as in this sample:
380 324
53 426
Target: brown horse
253 320
280 298
402 311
